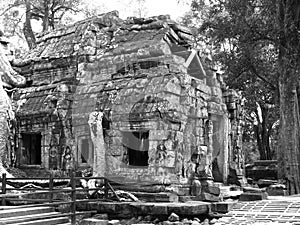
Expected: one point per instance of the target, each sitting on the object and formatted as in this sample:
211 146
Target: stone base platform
157 209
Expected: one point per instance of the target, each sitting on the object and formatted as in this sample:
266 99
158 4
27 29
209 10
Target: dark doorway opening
85 148
137 147
31 149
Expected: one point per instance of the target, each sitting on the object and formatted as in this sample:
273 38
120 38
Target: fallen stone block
205 222
93 221
167 223
277 192
177 223
103 216
142 224
114 222
195 222
189 208
254 190
186 221
173 217
222 207
212 190
207 197
186 198
248 196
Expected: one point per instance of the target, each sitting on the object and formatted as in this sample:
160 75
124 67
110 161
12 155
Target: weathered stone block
222 207
142 224
173 217
114 222
167 223
248 196
186 221
93 221
207 197
195 222
188 208
211 190
103 216
253 190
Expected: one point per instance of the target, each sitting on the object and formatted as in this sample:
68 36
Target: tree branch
10 7
62 7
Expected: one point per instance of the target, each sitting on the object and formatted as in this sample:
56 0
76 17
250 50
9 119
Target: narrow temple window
31 149
86 151
137 147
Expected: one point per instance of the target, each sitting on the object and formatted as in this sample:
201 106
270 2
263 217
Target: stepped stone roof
116 46
110 34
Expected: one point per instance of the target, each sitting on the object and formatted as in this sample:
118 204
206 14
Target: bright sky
152 7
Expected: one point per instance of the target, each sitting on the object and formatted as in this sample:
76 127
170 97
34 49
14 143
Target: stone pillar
95 123
208 164
226 149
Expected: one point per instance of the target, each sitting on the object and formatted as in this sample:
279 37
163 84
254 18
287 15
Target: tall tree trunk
262 134
46 16
10 77
289 135
5 108
289 148
27 29
258 130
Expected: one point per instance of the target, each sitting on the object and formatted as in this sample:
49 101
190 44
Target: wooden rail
51 201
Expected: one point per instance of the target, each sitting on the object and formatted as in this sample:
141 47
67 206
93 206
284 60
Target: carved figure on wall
170 159
125 158
53 151
179 165
68 160
163 175
161 154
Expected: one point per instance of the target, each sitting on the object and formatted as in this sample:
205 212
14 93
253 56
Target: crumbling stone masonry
131 99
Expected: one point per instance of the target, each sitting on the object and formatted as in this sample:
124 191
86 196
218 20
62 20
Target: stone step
16 212
49 221
19 219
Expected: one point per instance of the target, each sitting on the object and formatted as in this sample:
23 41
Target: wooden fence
50 191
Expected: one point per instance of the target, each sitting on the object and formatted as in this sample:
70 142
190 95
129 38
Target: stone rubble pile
173 219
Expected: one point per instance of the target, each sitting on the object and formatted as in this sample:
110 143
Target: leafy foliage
19 15
243 40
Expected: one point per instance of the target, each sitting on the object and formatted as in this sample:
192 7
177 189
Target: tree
10 78
50 12
235 34
140 8
257 42
288 15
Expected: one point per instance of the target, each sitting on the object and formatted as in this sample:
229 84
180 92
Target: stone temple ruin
130 99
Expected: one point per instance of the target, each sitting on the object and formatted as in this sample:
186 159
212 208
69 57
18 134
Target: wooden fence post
3 202
106 188
51 187
73 199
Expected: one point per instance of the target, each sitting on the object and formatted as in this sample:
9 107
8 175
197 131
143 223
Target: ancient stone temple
129 98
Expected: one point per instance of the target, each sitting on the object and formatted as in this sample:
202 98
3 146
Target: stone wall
162 115
162 99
